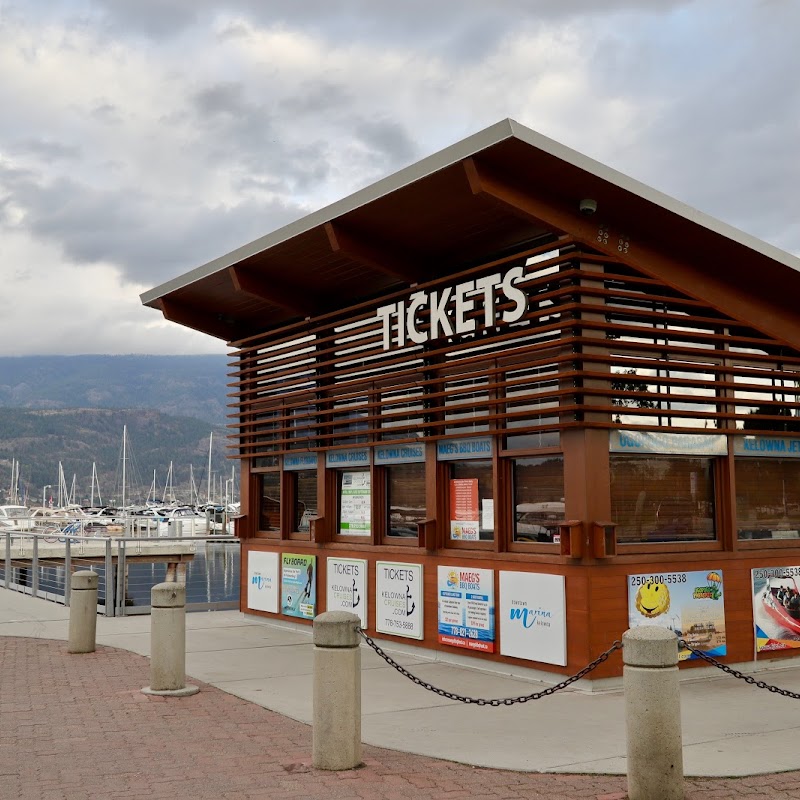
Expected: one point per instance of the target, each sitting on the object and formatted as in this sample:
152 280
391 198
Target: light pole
44 494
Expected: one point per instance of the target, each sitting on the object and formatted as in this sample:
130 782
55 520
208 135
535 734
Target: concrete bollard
652 714
168 641
336 738
83 612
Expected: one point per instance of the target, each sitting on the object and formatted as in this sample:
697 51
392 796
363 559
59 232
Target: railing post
168 641
121 570
35 566
67 570
83 612
109 580
8 560
652 714
336 736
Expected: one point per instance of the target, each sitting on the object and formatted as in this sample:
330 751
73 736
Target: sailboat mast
210 440
124 458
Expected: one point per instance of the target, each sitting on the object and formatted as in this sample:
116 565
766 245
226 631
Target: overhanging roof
463 205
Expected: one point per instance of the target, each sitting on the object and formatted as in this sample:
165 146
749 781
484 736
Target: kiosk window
662 498
768 498
406 499
471 501
304 484
538 498
270 502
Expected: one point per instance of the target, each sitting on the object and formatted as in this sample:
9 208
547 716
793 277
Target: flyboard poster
776 608
691 604
347 586
298 585
398 599
466 608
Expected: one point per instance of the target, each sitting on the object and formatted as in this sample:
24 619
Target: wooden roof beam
701 281
383 257
289 297
205 321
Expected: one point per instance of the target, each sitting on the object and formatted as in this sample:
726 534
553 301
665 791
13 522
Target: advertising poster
398 599
355 504
776 608
347 586
533 617
464 514
689 603
298 585
262 581
466 608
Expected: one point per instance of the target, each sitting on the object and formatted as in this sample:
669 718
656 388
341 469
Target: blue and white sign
400 454
466 608
347 586
533 617
769 446
262 581
347 458
454 449
295 461
681 444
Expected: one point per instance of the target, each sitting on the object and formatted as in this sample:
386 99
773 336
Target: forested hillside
39 439
192 386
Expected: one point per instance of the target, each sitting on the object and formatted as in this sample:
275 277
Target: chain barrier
736 674
498 701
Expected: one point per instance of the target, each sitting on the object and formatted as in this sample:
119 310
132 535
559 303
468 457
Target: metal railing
40 564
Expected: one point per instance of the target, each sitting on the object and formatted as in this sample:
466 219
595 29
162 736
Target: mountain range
72 409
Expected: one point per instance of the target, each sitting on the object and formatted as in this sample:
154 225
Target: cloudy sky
142 138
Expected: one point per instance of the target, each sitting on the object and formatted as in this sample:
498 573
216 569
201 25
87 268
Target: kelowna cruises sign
451 311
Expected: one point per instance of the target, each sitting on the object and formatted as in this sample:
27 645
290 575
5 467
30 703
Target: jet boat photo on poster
262 581
299 585
776 608
689 603
347 586
466 608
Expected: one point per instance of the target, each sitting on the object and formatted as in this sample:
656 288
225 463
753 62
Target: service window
538 498
405 499
304 498
269 504
768 498
662 498
355 503
471 501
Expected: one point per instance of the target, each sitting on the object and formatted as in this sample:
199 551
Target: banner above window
688 444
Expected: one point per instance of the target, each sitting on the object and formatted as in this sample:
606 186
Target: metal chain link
498 701
736 674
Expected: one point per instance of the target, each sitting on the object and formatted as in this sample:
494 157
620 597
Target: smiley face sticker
652 599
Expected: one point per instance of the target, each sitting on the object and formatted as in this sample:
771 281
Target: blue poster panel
298 585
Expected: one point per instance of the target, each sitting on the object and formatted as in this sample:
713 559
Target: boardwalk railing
39 564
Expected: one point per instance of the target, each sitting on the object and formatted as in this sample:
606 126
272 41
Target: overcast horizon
149 137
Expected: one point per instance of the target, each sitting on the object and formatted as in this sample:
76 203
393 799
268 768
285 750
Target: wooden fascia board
382 257
203 321
291 298
685 277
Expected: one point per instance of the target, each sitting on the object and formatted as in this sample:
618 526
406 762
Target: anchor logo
356 598
410 611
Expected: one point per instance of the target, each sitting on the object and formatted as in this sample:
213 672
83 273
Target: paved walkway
79 727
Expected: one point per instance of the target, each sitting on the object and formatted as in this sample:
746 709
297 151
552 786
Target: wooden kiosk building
509 402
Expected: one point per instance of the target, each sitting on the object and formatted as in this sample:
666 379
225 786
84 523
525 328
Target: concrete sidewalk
729 727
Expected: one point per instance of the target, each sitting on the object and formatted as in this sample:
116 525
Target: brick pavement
78 726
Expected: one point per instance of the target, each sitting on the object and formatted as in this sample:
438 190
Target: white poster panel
355 504
533 617
262 581
347 586
398 599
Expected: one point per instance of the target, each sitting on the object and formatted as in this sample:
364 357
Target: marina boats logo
529 617
261 581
